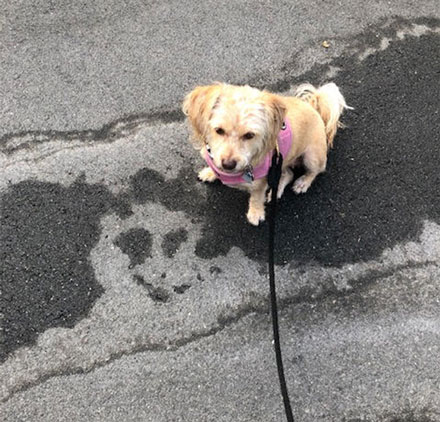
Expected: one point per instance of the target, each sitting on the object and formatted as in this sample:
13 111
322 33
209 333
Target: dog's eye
248 135
220 131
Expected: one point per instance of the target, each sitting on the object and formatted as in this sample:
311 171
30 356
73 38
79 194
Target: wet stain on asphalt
156 294
136 243
46 234
181 289
382 178
383 175
172 241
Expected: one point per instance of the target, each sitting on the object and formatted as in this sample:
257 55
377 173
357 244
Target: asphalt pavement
129 291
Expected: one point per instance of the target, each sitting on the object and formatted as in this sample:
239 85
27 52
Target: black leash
273 179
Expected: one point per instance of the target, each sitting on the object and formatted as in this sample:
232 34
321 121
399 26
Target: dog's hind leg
286 178
314 160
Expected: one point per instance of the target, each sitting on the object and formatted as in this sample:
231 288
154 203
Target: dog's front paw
207 175
280 192
302 184
255 216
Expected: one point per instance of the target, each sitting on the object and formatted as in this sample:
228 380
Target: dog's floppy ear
198 105
277 112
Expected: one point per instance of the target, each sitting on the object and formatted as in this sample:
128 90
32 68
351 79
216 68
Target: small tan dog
237 129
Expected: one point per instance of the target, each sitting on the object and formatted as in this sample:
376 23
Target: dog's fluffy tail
328 102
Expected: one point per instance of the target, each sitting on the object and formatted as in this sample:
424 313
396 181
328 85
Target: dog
237 128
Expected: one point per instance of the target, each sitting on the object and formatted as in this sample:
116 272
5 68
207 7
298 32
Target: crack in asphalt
260 306
108 133
42 157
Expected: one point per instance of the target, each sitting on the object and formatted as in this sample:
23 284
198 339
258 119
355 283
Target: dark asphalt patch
172 241
46 234
179 194
382 178
156 294
136 243
370 38
181 289
383 175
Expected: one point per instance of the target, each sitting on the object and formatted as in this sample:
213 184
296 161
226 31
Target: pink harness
260 171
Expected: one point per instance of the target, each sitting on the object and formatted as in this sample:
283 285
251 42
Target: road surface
132 292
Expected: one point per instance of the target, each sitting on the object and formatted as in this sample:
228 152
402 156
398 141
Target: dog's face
238 124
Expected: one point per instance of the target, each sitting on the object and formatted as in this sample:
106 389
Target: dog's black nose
229 164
